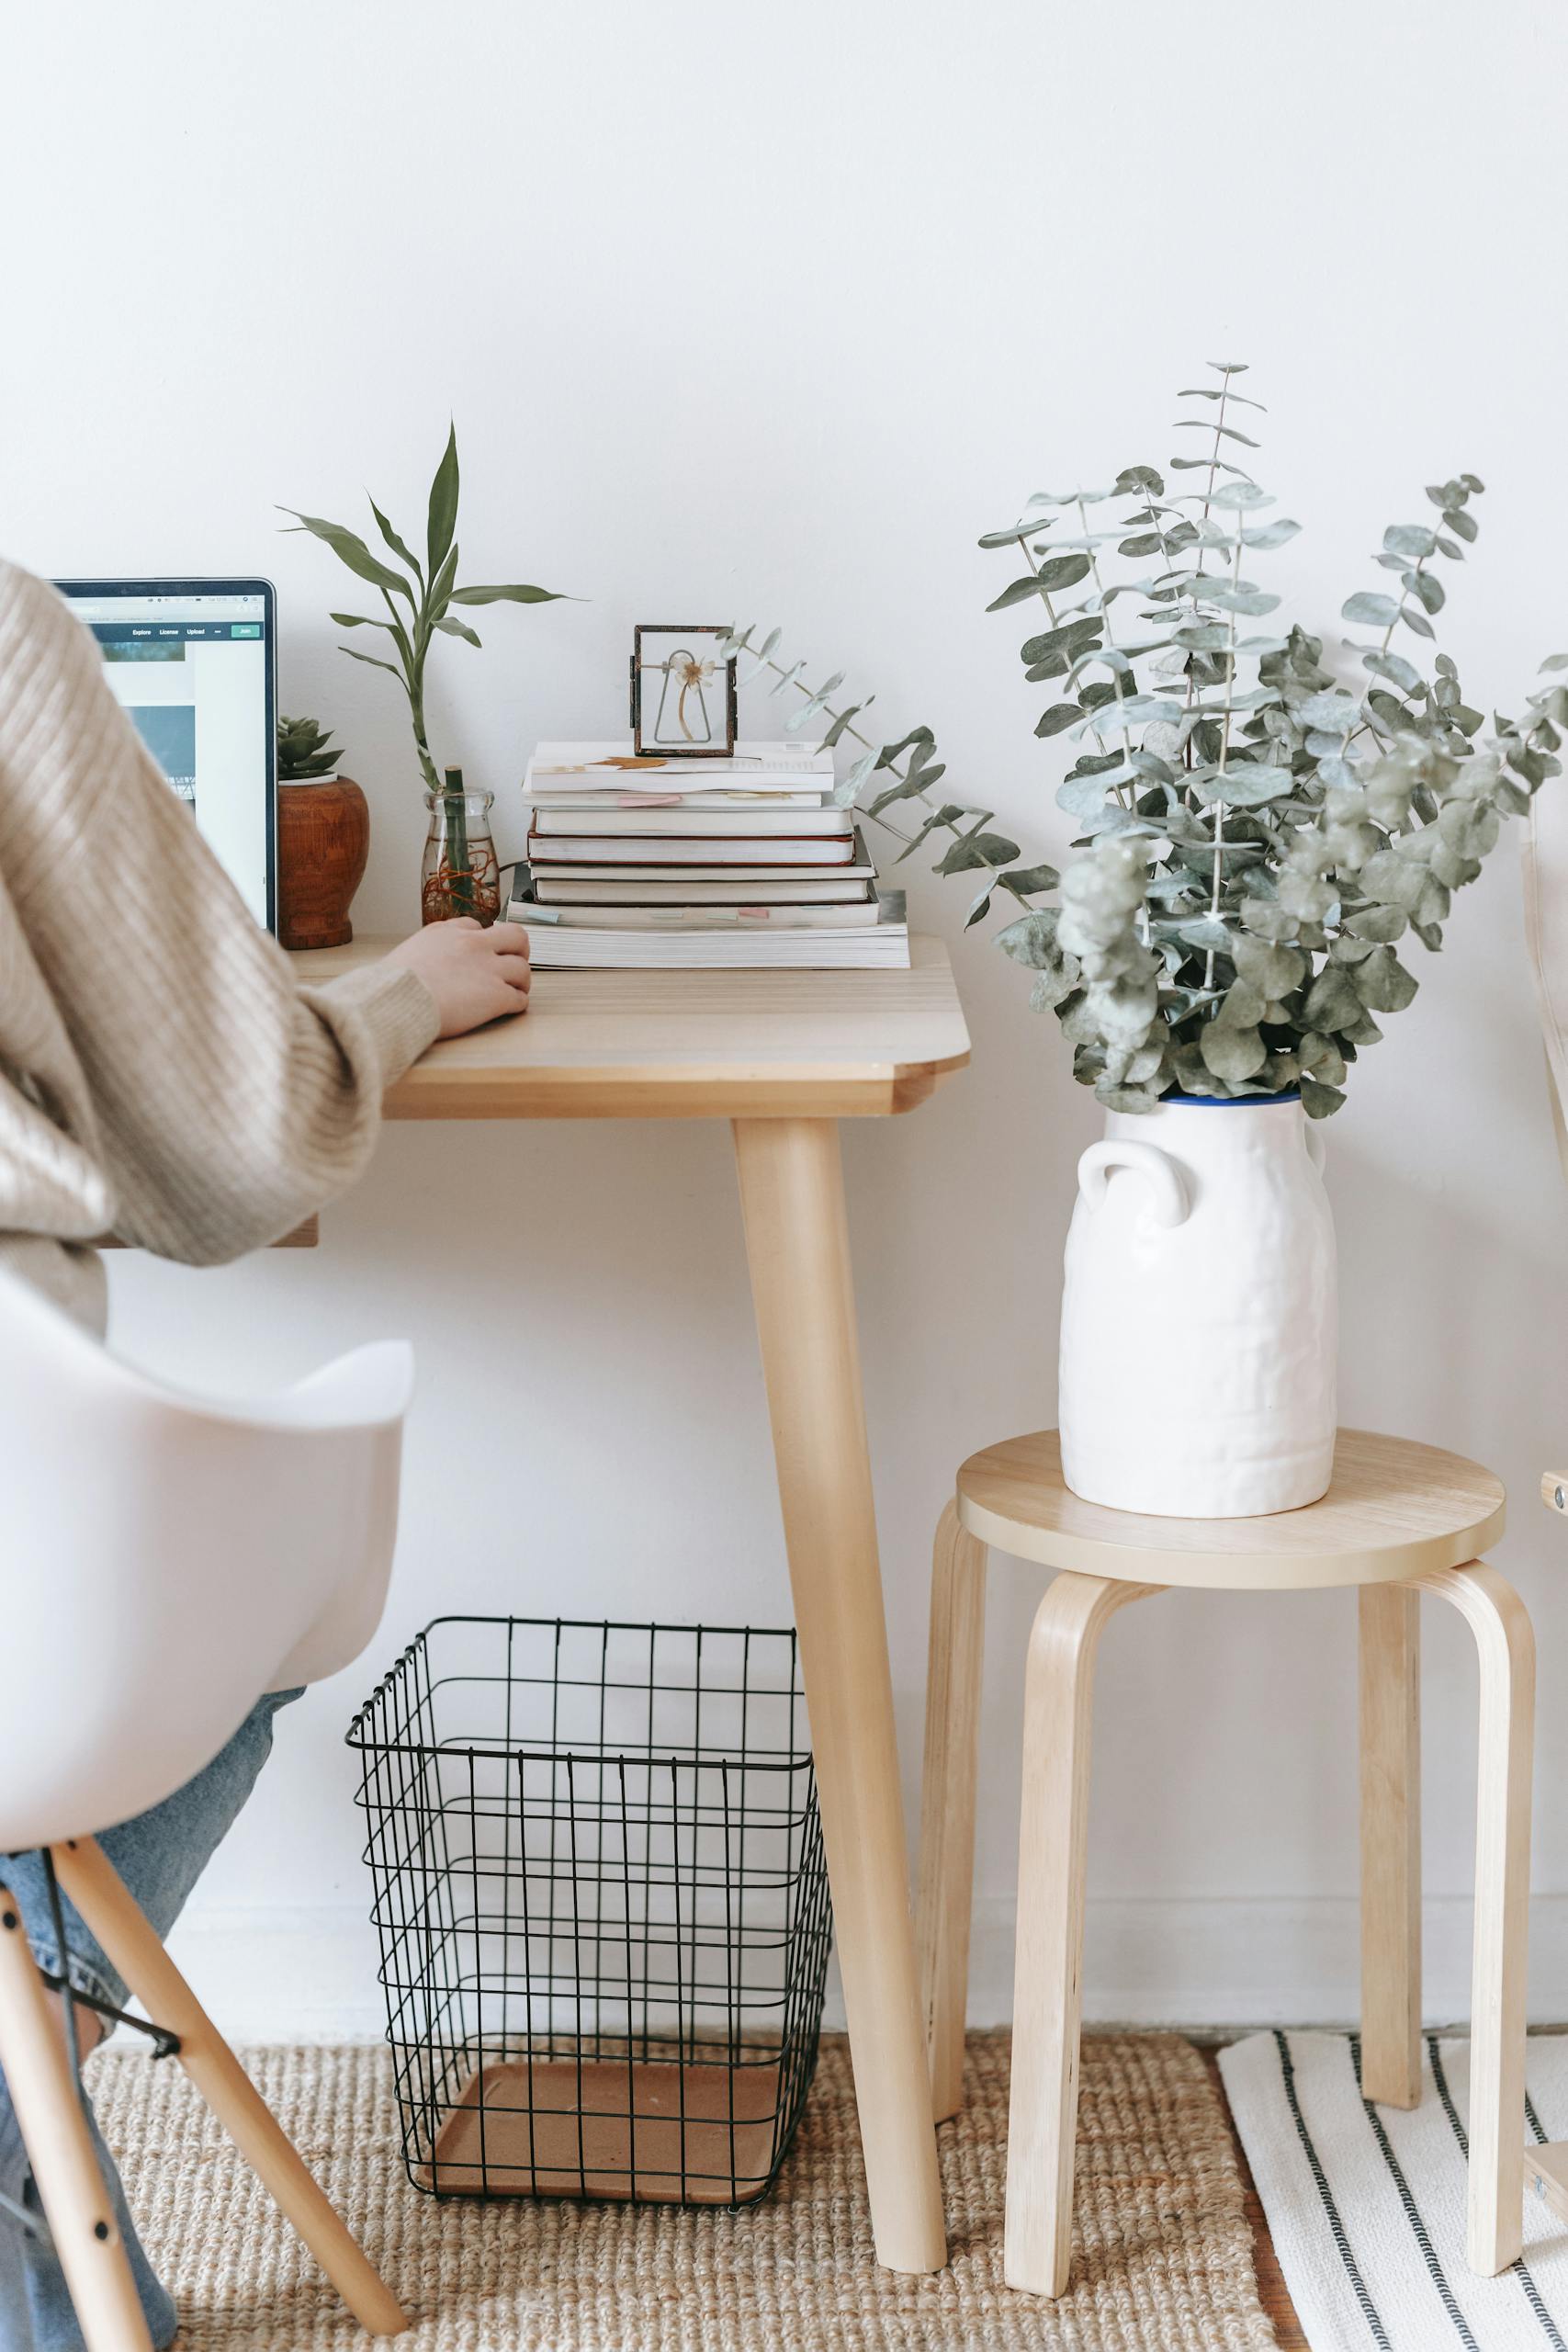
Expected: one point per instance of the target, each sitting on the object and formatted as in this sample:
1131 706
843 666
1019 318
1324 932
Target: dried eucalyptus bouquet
1259 837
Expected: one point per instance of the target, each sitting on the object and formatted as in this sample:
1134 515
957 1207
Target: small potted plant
460 875
323 838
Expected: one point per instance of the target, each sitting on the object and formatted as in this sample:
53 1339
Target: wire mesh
602 1907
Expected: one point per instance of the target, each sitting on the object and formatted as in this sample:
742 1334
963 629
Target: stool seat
1395 1509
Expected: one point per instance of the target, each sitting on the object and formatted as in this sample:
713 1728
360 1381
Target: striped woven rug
1366 2205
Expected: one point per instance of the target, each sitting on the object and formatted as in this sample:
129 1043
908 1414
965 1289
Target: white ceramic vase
1200 1314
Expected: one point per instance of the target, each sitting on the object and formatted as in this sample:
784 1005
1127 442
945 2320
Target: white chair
167 1562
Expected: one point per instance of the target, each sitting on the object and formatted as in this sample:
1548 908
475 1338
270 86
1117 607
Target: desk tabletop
691 1045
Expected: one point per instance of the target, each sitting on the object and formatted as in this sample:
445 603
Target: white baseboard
308 1974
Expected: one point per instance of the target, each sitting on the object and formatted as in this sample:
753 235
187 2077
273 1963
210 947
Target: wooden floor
1270 2285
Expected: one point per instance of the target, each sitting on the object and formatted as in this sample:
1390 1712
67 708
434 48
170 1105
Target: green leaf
1024 881
509 595
1409 538
1328 714
1061 716
1464 527
1242 1007
1404 674
841 723
1382 925
1013 535
1234 496
1427 587
1377 612
456 628
1382 983
442 520
1320 1101
1063 571
1274 971
438 595
1233 1053
1014 593
350 549
1238 600
977 849
362 620
1418 621
393 541
375 664
1225 431
1271 535
1332 1001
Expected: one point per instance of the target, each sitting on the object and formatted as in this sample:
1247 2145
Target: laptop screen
192 661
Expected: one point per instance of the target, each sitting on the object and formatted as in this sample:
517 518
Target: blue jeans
160 1855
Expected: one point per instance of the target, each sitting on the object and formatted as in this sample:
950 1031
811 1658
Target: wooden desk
784 1056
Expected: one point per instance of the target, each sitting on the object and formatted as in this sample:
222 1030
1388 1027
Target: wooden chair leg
1498 1619
1390 1844
101 1898
945 1878
1048 1976
59 2150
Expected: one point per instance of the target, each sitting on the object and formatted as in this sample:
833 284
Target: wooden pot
323 839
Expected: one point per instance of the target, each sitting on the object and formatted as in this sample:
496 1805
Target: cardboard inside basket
693 2134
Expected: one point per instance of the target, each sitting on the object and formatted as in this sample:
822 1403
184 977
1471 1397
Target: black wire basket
602 1906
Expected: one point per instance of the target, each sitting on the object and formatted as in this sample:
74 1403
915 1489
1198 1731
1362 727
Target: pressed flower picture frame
684 700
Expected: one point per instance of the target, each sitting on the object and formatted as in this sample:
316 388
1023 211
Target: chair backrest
164 1560
1545 853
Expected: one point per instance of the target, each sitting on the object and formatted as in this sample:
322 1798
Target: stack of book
658 863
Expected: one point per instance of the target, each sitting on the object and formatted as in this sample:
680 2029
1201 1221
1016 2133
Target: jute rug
1366 2205
1162 2262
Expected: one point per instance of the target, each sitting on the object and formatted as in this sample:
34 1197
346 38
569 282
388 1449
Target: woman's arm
229 1102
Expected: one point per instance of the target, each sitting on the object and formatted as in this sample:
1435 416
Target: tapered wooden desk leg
798 1244
1390 1844
54 2130
92 1883
1047 2004
1498 1619
945 1879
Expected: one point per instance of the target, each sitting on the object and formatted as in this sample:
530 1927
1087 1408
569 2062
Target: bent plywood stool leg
1497 1618
945 1878
60 2151
94 1887
1390 1844
1048 1971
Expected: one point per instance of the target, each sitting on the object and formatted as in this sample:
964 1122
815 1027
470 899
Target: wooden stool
1398 1521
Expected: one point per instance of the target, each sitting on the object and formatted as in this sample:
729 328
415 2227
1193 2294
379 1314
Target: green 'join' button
244 629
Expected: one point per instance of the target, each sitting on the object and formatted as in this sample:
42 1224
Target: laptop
194 661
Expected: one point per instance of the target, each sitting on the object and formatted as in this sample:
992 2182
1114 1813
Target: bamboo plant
419 598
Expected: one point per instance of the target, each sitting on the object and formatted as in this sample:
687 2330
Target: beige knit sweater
163 1076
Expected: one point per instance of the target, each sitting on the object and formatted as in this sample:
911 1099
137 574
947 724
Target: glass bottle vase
460 874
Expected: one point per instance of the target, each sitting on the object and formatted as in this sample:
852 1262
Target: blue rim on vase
1230 1101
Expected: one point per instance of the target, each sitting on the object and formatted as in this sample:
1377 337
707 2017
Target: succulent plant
303 750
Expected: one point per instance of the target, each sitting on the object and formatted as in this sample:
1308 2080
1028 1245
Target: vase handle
1168 1203
1318 1145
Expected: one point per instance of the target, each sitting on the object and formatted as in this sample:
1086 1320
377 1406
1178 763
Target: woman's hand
474 974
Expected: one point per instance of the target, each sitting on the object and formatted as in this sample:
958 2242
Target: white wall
771 312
